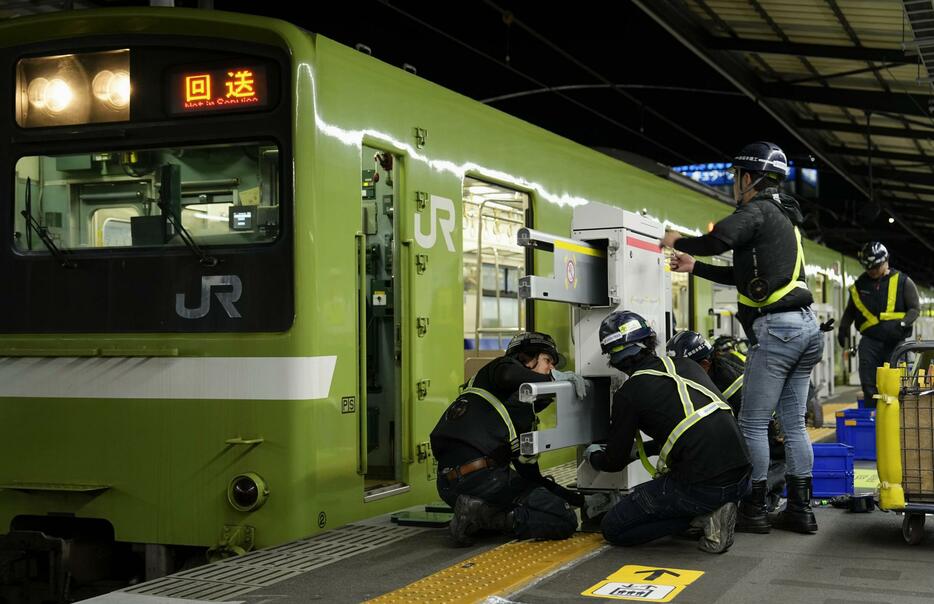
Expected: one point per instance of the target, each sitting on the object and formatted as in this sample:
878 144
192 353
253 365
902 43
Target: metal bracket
579 270
421 200
236 540
421 263
421 137
421 326
421 388
579 421
423 451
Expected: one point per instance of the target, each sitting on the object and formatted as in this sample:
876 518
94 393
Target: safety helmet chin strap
751 187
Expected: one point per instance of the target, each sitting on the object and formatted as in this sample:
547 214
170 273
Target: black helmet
622 334
873 254
534 342
691 345
764 157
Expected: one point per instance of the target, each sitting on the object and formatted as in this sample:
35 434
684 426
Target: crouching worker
703 467
476 442
725 366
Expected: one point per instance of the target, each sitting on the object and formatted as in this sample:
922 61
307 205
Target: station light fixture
73 89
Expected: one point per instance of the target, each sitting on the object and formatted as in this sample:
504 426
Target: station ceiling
841 85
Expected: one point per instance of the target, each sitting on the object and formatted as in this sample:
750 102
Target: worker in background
884 303
725 365
703 467
476 442
775 312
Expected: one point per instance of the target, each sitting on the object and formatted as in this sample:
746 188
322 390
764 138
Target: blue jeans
778 371
665 506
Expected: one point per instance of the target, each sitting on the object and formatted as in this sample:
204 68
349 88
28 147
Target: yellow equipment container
905 436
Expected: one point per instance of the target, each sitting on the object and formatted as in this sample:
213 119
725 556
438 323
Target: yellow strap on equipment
691 416
738 355
733 388
888 314
782 291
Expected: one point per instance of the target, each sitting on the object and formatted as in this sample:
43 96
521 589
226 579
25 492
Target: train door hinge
421 200
421 326
421 137
421 263
421 388
423 451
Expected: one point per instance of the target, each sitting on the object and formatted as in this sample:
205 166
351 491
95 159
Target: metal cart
905 436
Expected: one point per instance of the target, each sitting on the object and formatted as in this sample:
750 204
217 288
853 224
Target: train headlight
247 492
112 88
73 89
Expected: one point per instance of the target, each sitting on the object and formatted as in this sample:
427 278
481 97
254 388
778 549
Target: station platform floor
854 558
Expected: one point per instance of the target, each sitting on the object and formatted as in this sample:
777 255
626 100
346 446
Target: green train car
247 267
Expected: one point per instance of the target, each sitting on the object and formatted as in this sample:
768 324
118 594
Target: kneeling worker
703 465
477 439
725 366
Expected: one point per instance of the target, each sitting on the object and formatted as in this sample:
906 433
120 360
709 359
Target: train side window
493 264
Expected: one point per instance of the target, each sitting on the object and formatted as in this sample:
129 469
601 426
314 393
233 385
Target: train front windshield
148 188
221 194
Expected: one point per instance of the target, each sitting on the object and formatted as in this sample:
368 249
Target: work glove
580 385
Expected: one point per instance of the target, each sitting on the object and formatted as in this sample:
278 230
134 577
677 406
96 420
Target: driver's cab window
218 194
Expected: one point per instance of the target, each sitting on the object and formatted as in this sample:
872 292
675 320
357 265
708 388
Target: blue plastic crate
833 457
857 428
831 484
833 470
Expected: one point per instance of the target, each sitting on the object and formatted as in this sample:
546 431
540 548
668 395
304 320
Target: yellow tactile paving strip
500 571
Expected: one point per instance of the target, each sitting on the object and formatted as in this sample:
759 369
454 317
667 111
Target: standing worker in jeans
481 474
703 467
774 310
884 303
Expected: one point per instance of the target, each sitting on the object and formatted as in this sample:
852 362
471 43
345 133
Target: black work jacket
874 294
761 235
470 427
710 448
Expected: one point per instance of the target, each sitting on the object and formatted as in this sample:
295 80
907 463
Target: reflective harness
782 291
691 416
500 409
888 315
733 388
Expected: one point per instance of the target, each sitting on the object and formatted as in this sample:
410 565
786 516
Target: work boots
753 516
472 514
719 527
797 515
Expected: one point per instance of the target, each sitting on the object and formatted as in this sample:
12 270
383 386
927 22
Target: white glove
580 385
591 449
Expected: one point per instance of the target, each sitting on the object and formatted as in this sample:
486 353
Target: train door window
380 368
681 300
493 264
820 289
111 226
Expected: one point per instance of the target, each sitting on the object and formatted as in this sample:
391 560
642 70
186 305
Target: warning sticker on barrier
644 583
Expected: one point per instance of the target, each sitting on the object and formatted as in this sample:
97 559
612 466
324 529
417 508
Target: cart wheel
913 528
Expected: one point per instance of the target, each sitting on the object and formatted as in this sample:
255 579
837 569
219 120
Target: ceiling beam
880 154
905 189
859 129
825 51
865 100
903 176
